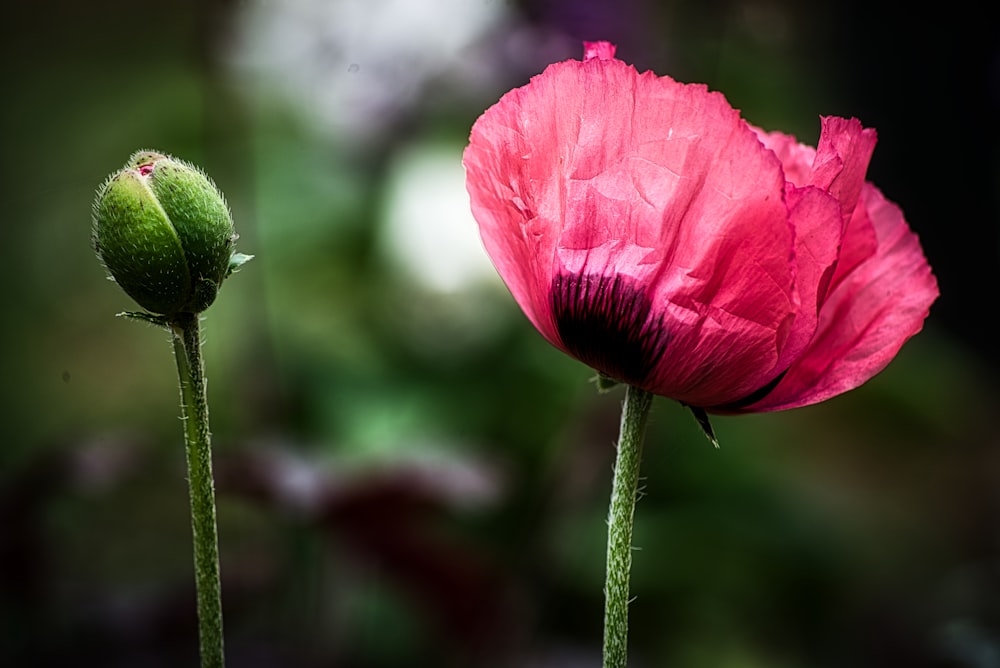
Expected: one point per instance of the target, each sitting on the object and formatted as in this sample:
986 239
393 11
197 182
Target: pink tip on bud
599 50
144 170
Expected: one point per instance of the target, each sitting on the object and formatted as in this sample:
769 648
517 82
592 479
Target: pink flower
649 231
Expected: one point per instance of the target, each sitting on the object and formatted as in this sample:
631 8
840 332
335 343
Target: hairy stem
635 411
186 331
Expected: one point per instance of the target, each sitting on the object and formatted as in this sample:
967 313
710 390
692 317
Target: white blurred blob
354 65
427 228
308 485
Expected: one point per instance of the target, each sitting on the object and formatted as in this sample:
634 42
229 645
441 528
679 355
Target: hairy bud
164 232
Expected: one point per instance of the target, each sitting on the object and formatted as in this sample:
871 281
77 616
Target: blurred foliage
410 475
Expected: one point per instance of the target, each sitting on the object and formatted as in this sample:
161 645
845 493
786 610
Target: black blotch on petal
604 321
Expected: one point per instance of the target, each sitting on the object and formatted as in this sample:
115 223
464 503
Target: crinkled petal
815 215
869 315
837 166
647 230
506 177
796 159
595 169
842 156
822 193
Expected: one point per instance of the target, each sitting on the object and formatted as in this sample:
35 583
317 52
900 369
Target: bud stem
186 332
635 411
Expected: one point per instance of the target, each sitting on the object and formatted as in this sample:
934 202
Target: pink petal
867 317
594 169
647 230
823 189
816 217
842 157
796 159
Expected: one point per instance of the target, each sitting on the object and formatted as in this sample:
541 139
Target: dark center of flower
604 321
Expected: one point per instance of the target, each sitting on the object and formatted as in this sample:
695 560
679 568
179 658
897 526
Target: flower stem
186 331
635 411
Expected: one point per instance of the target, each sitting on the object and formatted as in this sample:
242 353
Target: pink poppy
649 231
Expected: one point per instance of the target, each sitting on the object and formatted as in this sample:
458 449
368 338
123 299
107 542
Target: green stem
635 411
186 331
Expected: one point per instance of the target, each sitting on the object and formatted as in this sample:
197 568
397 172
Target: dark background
407 473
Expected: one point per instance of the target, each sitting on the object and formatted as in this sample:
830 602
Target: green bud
163 230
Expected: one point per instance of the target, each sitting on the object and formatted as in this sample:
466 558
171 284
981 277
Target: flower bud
165 234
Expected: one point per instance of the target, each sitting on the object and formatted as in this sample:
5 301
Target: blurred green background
407 473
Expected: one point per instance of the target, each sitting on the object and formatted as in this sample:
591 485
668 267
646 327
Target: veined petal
816 217
593 169
842 156
838 164
822 191
868 316
650 232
